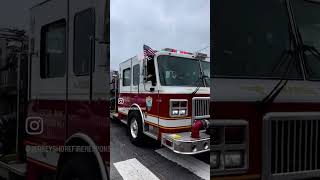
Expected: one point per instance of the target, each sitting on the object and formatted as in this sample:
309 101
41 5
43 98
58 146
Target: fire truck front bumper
183 143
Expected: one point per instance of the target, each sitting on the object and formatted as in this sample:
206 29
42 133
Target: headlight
175 112
214 160
233 159
229 144
182 112
178 107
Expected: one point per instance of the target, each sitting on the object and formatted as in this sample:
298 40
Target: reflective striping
169 123
168 118
186 128
165 123
123 110
132 169
169 90
194 165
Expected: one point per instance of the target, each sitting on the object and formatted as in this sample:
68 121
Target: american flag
148 52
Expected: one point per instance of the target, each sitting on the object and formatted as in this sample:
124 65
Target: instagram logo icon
34 125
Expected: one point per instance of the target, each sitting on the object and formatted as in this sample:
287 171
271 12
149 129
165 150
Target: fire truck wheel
135 128
80 167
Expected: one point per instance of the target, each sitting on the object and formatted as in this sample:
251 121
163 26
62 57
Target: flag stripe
148 52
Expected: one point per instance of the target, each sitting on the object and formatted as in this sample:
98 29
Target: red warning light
185 52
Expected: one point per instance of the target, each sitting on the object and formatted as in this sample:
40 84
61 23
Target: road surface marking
194 165
132 169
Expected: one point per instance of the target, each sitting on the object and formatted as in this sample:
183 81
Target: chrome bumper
182 143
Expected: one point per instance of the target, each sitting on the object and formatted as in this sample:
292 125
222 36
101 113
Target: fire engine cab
166 97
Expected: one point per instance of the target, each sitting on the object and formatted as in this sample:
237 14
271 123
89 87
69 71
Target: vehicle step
6 169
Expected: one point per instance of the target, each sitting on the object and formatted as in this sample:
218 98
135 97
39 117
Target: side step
114 115
13 169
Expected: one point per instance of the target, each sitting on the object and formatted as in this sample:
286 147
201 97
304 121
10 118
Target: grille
291 145
295 146
200 108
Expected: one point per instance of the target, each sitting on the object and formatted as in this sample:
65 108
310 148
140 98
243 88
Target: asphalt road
151 161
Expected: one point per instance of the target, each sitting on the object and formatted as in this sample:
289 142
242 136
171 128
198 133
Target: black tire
135 115
80 166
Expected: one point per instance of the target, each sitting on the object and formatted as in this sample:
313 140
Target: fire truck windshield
180 71
307 16
252 44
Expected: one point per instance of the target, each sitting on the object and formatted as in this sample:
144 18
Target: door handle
91 67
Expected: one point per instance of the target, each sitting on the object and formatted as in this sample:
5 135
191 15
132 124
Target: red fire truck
265 90
63 119
166 97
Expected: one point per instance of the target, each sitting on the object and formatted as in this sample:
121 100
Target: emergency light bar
176 51
201 55
198 55
169 50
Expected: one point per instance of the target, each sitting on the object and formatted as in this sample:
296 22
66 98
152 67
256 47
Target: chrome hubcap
134 128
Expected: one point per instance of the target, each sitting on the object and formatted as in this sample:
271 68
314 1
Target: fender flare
85 138
139 109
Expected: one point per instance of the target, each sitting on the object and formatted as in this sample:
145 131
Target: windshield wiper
285 55
312 50
198 82
295 54
204 77
283 81
200 79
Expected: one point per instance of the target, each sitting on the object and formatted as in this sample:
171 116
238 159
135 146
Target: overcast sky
179 24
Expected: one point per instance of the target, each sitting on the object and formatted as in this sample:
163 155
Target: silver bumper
182 143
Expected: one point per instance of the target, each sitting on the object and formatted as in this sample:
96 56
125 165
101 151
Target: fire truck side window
84 28
151 73
126 81
53 50
136 74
